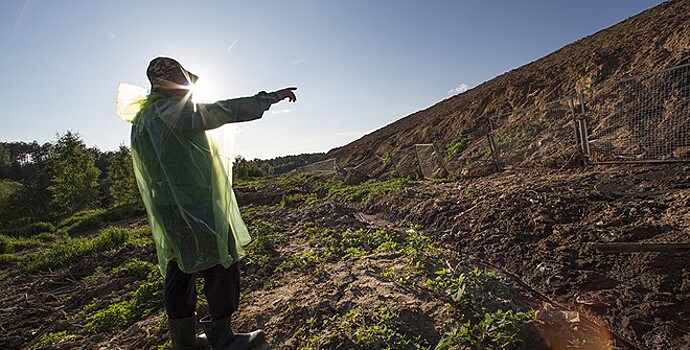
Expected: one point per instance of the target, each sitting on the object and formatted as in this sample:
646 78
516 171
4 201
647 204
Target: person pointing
186 188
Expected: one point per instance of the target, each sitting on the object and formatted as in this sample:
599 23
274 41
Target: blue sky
359 65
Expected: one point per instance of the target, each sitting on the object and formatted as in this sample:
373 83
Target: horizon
358 66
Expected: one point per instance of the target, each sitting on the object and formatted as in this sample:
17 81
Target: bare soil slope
656 39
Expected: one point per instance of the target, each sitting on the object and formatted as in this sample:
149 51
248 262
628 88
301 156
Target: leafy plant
496 330
147 299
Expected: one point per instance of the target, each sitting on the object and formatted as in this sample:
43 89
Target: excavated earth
536 228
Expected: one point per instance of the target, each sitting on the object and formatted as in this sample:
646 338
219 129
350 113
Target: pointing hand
287 93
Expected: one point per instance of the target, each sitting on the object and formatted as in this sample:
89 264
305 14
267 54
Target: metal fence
641 119
644 118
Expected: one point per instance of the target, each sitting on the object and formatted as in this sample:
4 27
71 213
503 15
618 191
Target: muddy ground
537 230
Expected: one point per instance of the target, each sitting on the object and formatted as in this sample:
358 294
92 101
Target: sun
203 92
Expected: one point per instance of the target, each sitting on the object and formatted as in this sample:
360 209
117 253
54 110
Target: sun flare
202 93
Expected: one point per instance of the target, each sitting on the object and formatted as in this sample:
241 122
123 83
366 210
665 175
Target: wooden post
492 146
584 135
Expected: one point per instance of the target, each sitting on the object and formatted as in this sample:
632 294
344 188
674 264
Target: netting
644 118
430 160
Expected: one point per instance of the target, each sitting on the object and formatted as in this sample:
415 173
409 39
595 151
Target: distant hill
656 39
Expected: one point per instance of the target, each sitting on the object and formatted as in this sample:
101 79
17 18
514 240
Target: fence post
492 145
576 130
583 125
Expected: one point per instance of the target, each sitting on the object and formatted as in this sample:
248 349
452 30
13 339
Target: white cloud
460 89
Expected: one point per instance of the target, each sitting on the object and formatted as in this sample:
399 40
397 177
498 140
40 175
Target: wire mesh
644 118
430 160
541 135
324 166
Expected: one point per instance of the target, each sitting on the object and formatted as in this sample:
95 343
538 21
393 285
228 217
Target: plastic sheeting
184 173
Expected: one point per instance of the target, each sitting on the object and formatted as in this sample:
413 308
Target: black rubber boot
183 335
221 337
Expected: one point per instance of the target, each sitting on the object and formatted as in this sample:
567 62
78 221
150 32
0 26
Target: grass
367 191
67 250
53 338
142 302
296 199
458 143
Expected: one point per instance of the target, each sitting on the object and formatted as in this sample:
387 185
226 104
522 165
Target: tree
4 161
73 176
123 184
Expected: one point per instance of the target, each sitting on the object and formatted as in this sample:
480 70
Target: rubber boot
221 337
183 335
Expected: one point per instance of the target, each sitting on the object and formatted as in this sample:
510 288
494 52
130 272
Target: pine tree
73 176
123 184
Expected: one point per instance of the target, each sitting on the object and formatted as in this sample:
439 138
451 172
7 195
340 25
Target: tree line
51 181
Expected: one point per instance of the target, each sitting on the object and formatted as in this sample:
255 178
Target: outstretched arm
213 115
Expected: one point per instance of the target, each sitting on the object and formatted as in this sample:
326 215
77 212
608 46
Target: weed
295 199
53 338
466 290
310 260
458 143
496 330
363 328
367 191
97 276
135 268
147 299
265 237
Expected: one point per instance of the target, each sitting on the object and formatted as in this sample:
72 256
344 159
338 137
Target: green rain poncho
184 176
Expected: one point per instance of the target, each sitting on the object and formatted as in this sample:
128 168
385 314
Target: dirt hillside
656 39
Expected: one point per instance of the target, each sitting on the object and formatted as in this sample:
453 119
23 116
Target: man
184 182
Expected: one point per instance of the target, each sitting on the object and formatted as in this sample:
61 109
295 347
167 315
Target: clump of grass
295 199
367 191
53 338
458 143
135 268
309 260
82 221
29 230
15 244
69 249
147 299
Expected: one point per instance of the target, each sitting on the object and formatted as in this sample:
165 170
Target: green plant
145 300
265 237
15 244
53 338
377 328
458 143
466 289
367 191
135 268
82 221
495 330
295 199
69 249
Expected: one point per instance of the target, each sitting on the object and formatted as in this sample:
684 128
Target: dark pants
221 287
